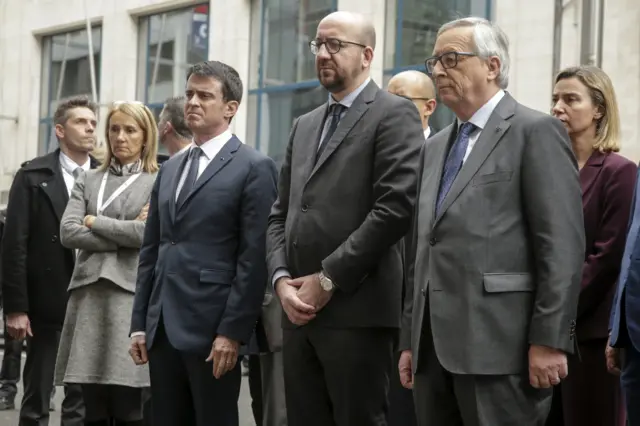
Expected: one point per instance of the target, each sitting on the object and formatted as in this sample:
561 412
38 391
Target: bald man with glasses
418 88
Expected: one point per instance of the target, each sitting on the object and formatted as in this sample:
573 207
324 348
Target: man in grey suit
202 271
497 246
345 198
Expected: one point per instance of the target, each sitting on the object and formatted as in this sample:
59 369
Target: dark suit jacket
346 212
607 182
202 265
36 268
498 267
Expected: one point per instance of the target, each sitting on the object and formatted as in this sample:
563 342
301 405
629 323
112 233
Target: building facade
141 50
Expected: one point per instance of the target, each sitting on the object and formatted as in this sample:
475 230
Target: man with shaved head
345 197
417 87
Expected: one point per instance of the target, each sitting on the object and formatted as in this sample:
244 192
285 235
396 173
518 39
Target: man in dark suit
623 352
497 248
36 268
345 196
202 270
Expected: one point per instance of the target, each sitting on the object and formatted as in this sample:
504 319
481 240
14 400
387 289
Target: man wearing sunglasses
497 247
418 88
345 197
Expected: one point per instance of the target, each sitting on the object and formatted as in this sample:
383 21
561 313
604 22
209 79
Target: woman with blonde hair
585 101
104 222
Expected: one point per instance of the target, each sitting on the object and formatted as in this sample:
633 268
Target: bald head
412 84
418 87
356 25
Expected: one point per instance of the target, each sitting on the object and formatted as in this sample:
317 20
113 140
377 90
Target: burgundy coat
607 181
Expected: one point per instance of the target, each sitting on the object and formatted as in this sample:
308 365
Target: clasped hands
302 298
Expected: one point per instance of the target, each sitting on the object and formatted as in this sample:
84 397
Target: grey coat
110 248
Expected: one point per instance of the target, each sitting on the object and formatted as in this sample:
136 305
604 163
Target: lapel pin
221 158
44 184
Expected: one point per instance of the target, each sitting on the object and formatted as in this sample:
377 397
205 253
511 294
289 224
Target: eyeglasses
448 60
333 45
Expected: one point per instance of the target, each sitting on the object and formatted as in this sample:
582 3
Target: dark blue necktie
192 174
454 161
335 111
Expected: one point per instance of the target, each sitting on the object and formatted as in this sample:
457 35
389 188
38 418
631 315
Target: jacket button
424 292
295 244
304 208
433 241
54 238
173 243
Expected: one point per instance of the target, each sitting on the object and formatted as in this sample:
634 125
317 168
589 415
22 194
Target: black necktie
335 111
192 174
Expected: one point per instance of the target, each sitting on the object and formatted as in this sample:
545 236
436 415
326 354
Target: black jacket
36 268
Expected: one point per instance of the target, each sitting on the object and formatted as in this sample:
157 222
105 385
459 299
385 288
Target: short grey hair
489 40
173 112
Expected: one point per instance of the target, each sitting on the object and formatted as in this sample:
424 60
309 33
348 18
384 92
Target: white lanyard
115 194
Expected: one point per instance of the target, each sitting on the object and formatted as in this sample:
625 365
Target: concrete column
229 42
375 11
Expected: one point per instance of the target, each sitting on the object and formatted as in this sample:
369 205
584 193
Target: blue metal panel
307 84
397 58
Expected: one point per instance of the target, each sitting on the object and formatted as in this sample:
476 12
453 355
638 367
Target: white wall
24 22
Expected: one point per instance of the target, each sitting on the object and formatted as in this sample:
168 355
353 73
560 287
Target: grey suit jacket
499 267
110 248
346 212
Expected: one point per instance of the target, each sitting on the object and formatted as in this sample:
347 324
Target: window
411 29
170 43
285 85
67 72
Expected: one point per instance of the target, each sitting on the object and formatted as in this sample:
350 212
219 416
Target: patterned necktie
192 174
335 111
77 172
454 161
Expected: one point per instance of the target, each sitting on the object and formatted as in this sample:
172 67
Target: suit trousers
39 368
184 391
274 407
337 377
444 398
255 388
630 381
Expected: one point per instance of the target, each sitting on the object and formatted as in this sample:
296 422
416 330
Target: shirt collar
69 165
348 100
427 132
481 116
211 147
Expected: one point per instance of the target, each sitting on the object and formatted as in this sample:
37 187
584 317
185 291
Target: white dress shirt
210 149
427 133
480 119
68 166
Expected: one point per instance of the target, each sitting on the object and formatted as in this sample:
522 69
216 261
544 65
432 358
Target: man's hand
547 366
88 221
311 292
138 350
143 213
297 311
19 326
404 368
614 359
224 354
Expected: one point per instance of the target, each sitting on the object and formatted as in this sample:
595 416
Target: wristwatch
325 282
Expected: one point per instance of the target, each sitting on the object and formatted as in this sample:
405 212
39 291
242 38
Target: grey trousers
274 408
445 399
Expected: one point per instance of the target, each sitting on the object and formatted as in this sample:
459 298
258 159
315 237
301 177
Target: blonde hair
147 122
603 96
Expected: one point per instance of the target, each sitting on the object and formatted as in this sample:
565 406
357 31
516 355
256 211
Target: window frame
45 113
261 89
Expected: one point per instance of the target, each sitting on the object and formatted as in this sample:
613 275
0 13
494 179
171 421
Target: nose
323 53
121 136
557 109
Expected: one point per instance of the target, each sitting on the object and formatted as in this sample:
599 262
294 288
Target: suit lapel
353 115
55 189
311 146
591 170
492 133
217 163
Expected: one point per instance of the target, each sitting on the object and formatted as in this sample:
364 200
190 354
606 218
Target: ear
430 107
59 131
493 65
231 109
168 128
367 56
599 113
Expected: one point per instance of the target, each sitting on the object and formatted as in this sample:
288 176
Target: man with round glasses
497 246
345 198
